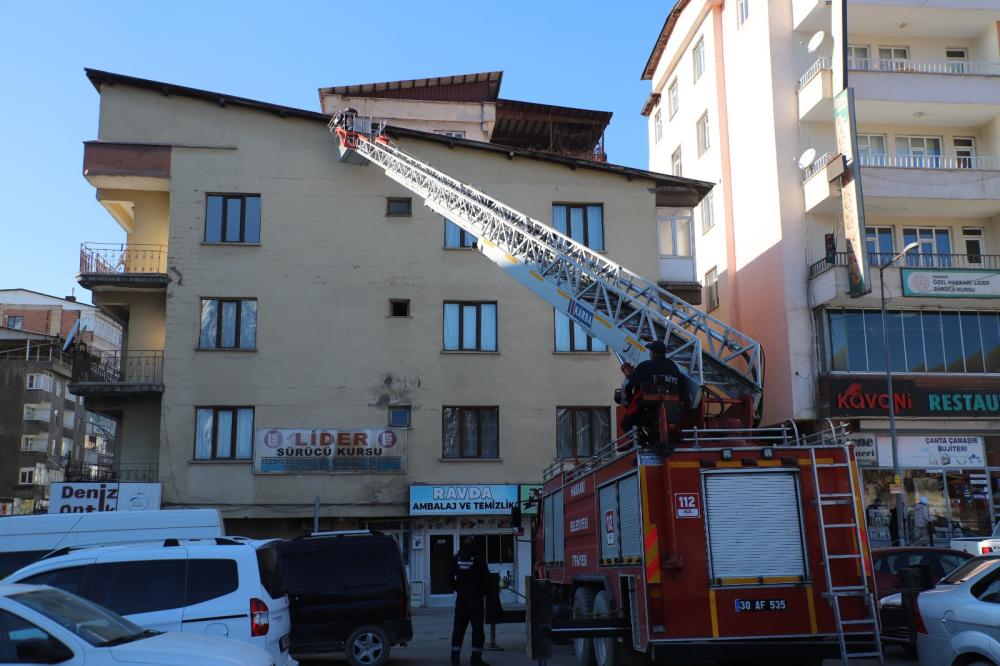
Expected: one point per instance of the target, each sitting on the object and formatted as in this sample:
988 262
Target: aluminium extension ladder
610 302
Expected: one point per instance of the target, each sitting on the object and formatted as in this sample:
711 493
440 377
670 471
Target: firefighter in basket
660 374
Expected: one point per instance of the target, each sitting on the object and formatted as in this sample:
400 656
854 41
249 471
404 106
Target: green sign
525 494
950 283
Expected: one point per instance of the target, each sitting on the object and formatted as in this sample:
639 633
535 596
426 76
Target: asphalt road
432 641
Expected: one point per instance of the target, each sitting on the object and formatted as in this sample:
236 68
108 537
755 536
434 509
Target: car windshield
996 530
969 570
92 623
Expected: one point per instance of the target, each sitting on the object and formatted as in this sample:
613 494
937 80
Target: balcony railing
122 259
126 473
44 415
930 162
818 66
925 67
132 367
35 444
818 165
973 261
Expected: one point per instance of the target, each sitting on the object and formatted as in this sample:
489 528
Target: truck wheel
605 648
367 645
583 608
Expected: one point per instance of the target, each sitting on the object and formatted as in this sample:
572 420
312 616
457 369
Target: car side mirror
43 651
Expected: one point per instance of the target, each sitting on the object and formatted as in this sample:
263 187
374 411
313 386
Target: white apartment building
742 96
276 297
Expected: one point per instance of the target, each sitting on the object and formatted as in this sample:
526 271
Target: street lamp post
900 507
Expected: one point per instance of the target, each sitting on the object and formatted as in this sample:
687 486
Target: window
228 324
712 288
965 151
742 11
698 58
879 245
210 579
701 129
69 420
934 249
21 642
673 98
399 416
456 237
972 237
676 163
919 341
470 432
581 431
893 58
871 149
26 476
657 126
470 326
584 223
398 206
67 580
918 152
232 218
674 232
136 587
269 568
13 321
857 57
455 134
956 57
399 307
571 337
708 212
223 433
39 382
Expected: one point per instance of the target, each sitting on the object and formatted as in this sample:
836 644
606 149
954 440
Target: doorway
441 552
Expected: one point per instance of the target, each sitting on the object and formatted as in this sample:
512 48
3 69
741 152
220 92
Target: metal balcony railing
122 259
925 67
818 66
973 261
131 367
930 162
125 473
818 165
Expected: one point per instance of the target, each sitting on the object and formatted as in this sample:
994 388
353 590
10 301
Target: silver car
960 618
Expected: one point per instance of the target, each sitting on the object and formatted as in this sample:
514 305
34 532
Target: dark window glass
270 571
223 433
67 580
581 431
213 219
228 324
210 579
456 237
855 328
128 588
989 325
470 326
972 342
571 337
873 338
582 223
314 571
251 224
399 308
375 567
399 416
913 336
933 341
470 432
897 347
947 563
953 356
232 218
15 632
11 562
402 206
838 341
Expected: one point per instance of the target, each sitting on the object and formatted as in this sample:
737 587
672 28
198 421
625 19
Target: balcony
123 266
41 414
118 373
816 92
821 184
38 444
933 184
125 473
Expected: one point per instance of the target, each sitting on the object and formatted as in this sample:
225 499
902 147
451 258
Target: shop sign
97 497
935 451
865 397
460 500
329 451
865 449
954 283
526 492
966 403
852 199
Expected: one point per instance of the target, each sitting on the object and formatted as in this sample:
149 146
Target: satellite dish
816 41
807 158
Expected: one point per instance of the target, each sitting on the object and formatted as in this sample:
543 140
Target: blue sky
570 52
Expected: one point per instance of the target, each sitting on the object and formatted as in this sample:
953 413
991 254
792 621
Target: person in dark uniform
657 365
470 579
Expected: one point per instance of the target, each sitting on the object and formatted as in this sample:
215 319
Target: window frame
673 98
567 222
677 163
405 409
26 476
572 337
461 409
707 212
15 322
698 58
233 444
226 196
975 235
703 134
398 301
854 62
657 125
462 236
742 12
237 337
479 327
594 444
675 235
389 201
712 289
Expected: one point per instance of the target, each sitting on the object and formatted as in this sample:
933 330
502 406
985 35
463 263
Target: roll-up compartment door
630 522
754 524
558 538
608 521
548 523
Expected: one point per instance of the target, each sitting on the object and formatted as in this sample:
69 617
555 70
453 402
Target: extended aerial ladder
618 307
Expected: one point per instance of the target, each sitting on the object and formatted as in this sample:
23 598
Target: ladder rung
843 556
857 621
856 593
841 502
849 587
825 495
859 655
833 465
829 525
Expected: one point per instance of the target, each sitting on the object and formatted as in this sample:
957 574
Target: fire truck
695 534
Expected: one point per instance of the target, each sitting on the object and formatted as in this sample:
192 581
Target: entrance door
442 551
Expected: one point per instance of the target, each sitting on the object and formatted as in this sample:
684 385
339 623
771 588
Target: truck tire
606 651
368 645
583 608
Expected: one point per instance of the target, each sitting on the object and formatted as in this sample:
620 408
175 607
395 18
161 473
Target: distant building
27 310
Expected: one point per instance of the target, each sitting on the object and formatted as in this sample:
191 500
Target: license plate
760 605
283 643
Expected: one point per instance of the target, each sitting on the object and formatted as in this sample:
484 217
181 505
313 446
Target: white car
979 545
42 625
959 620
227 586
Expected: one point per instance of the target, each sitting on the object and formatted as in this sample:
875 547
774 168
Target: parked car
227 586
887 563
979 545
26 539
42 625
349 593
957 620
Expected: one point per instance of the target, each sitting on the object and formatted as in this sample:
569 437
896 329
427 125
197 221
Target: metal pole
316 516
900 506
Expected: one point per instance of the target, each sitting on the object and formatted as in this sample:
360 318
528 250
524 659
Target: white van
24 539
